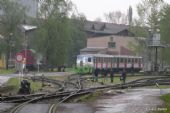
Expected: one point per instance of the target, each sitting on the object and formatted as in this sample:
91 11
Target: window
99 60
121 60
129 60
89 59
125 60
111 39
117 60
111 44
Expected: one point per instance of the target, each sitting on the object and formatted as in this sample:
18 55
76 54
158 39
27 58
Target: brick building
108 38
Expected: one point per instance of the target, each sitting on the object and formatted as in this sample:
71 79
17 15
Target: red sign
19 57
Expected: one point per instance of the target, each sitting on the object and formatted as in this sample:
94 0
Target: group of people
105 73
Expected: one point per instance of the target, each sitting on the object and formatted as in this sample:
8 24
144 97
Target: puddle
3 79
35 108
5 106
75 108
133 101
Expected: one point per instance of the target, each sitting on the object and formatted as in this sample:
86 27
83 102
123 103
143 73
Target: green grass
79 70
9 71
166 107
117 79
15 82
71 70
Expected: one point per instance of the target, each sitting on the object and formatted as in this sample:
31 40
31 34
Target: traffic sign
19 57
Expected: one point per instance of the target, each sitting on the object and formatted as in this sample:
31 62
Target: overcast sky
93 9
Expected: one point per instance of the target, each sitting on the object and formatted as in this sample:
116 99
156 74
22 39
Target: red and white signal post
20 63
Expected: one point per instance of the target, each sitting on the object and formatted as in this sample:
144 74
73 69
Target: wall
122 43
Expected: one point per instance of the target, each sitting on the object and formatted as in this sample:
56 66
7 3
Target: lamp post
10 47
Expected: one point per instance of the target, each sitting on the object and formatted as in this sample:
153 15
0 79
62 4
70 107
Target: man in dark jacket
111 75
96 72
123 76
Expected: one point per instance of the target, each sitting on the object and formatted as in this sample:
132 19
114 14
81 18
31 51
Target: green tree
149 13
53 34
12 15
149 16
116 17
164 30
78 37
138 29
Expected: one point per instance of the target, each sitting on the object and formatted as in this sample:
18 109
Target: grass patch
79 70
71 70
9 71
15 83
117 79
6 89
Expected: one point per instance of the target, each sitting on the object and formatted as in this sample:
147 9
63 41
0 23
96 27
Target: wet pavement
5 106
35 108
133 101
3 79
38 74
75 108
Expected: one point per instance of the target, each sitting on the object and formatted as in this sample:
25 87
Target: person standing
111 75
123 76
96 72
104 75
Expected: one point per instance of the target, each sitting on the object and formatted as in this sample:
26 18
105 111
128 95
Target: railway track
81 91
62 84
53 107
17 108
65 95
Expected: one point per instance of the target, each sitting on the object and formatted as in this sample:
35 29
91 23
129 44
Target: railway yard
79 94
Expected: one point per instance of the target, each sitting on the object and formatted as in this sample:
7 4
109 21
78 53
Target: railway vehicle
115 62
30 59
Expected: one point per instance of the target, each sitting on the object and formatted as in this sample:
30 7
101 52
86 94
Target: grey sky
96 8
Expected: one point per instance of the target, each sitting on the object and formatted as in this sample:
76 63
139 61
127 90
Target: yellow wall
2 62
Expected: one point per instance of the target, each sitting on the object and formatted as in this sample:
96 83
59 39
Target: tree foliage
116 17
57 35
164 30
149 13
78 37
149 16
52 40
138 29
12 15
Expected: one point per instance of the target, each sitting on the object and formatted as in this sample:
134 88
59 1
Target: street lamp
10 47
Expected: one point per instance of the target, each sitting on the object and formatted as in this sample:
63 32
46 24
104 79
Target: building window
111 44
89 59
121 60
111 39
